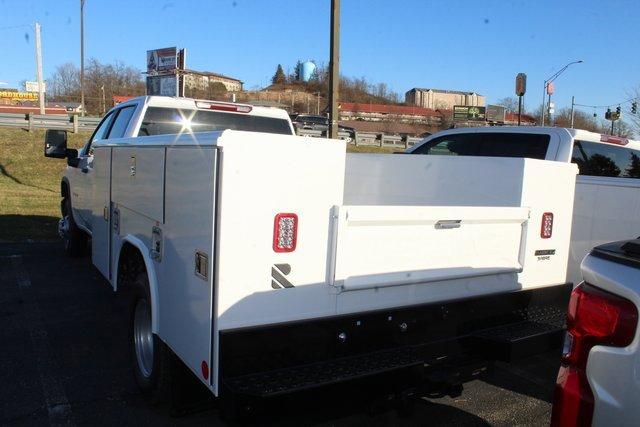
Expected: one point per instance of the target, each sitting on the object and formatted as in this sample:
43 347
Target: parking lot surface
64 360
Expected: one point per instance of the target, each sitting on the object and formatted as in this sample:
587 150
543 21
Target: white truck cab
270 263
148 116
607 199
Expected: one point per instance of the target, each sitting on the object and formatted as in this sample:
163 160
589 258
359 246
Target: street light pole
82 57
549 80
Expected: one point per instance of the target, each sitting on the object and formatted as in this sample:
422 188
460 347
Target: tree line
101 83
357 90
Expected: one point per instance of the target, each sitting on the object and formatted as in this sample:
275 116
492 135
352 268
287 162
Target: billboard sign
162 60
18 96
162 85
33 86
496 113
468 113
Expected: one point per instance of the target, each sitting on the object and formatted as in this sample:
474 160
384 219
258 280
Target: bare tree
65 81
510 103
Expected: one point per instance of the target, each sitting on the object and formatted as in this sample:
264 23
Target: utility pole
104 101
39 69
82 57
334 69
573 103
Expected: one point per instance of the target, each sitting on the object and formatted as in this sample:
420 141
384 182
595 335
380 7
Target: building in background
442 99
201 80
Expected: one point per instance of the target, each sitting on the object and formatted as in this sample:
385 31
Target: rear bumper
279 359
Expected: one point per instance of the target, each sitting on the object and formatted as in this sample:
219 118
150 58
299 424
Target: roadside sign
162 60
166 85
521 84
550 88
33 86
468 113
18 96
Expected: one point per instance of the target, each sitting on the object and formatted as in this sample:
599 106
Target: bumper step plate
540 330
299 378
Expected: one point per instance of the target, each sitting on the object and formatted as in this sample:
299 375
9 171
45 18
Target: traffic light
634 107
607 114
618 111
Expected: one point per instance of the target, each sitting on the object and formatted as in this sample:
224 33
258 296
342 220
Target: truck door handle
446 224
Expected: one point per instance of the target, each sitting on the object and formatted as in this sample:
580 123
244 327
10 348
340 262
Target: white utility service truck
271 263
607 199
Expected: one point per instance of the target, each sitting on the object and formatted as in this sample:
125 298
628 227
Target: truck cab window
162 121
121 122
463 144
100 132
488 144
594 159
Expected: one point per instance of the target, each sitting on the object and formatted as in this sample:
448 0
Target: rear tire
150 357
74 239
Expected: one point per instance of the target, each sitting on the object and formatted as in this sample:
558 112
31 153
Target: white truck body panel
605 208
362 244
373 244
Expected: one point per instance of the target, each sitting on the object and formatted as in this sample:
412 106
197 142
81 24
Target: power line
15 26
609 105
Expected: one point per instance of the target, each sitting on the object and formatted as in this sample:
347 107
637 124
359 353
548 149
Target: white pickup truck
607 199
271 263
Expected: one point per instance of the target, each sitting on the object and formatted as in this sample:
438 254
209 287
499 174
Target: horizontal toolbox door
378 246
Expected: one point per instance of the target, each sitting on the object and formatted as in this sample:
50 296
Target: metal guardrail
76 123
30 121
367 138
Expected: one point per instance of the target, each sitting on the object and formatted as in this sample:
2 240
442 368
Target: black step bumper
278 359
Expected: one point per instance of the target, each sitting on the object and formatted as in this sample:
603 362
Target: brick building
200 80
442 99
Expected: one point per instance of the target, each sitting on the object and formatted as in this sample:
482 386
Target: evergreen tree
633 170
279 77
298 77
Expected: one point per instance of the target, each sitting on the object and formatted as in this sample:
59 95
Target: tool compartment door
186 269
382 246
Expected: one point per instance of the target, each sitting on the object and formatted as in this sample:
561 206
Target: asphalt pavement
64 360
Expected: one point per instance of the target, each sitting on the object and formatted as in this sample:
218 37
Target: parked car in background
317 122
598 382
607 198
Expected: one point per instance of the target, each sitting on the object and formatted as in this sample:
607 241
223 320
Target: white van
607 199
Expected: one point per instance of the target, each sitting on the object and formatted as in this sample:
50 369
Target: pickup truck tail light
595 317
285 232
546 228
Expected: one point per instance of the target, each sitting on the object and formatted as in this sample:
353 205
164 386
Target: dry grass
29 185
373 149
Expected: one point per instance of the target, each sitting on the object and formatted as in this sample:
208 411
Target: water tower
306 70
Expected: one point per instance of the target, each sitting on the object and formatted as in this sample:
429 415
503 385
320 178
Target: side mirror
55 143
72 157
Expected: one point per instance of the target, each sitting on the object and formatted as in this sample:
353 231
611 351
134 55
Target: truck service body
607 199
276 263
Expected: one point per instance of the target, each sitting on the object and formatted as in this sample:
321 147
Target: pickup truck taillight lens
546 228
595 317
285 232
